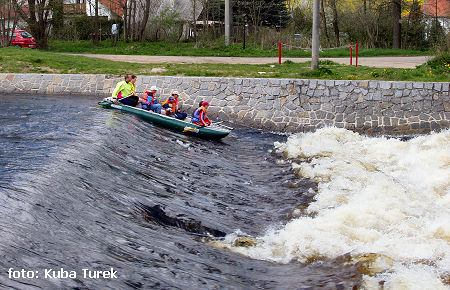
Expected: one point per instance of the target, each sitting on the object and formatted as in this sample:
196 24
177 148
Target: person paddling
199 117
150 102
171 105
125 91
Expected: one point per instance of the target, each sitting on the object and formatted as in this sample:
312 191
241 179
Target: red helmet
205 103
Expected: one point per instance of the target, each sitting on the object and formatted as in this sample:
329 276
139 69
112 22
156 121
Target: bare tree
96 38
8 21
396 16
125 18
335 22
194 18
324 20
130 19
133 20
144 20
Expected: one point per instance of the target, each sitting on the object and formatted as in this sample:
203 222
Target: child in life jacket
199 117
150 102
172 108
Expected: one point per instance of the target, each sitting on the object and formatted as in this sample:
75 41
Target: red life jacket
152 98
199 117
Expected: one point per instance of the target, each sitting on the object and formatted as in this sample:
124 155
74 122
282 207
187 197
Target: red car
21 38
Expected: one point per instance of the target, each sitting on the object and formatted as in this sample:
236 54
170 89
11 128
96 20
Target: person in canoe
171 106
150 102
199 117
125 92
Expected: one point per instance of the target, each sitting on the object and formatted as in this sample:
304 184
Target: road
380 62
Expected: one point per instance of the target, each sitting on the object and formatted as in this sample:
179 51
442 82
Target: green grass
189 49
34 61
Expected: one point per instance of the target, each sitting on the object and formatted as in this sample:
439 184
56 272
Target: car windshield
26 35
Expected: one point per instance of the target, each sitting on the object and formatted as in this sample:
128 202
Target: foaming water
375 195
84 187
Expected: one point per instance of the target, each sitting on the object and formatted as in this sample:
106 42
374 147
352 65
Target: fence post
356 52
351 54
280 51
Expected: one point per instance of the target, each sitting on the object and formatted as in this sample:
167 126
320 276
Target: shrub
327 62
440 63
83 27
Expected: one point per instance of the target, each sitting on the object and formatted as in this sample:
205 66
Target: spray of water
376 196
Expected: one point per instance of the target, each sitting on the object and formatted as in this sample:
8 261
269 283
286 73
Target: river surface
87 188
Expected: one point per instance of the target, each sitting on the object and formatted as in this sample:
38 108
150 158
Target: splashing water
375 195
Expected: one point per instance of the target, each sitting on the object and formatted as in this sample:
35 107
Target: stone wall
290 105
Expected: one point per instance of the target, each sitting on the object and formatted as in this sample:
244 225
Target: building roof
75 9
442 7
12 13
115 6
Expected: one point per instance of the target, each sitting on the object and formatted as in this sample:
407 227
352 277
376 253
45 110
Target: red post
351 54
356 52
280 51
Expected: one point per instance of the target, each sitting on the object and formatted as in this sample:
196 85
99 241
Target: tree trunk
96 23
134 31
125 23
194 19
37 21
335 22
7 14
144 19
324 20
128 20
315 35
397 30
228 14
57 7
205 19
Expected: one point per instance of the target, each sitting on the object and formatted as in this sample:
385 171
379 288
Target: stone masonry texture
285 105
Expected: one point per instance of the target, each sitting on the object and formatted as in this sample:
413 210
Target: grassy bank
189 49
34 61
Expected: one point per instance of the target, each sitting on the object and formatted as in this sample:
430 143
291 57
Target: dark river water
87 188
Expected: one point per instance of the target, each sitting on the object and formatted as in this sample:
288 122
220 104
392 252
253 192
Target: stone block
446 106
385 85
428 86
399 85
437 87
417 85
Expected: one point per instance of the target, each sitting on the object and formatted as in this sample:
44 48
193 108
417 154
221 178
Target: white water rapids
375 195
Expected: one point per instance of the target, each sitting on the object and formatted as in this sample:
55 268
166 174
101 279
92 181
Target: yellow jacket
126 89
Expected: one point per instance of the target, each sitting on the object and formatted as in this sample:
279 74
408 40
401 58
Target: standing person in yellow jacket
125 91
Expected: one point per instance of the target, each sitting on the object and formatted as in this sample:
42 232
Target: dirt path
381 62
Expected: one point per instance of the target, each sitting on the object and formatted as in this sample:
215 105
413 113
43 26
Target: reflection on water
83 187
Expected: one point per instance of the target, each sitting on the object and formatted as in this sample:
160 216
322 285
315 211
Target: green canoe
212 133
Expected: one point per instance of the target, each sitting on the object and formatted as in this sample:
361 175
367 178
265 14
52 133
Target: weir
287 105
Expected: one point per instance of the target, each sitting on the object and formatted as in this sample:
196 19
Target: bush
440 63
317 73
327 62
83 27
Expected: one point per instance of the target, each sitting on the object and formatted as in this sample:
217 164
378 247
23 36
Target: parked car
21 38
